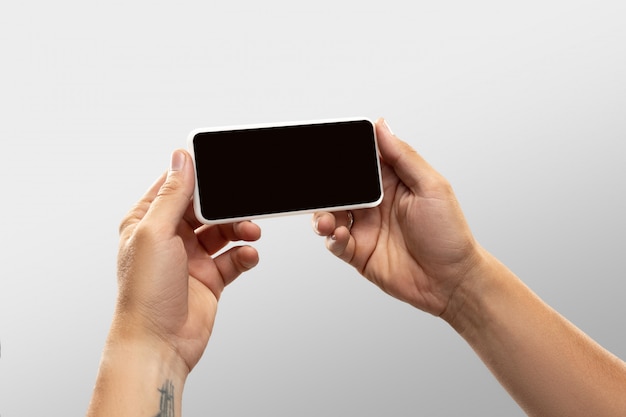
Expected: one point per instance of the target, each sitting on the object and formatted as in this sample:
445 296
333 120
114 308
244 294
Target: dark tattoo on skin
166 406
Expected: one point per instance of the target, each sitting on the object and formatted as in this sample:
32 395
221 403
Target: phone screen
251 172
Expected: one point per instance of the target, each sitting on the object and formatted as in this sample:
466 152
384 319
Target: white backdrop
520 104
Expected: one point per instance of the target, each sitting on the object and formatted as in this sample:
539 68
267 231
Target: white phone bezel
196 196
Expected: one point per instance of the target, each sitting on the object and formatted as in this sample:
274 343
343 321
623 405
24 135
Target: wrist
137 376
126 338
468 303
149 353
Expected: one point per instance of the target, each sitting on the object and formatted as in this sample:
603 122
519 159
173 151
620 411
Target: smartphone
257 171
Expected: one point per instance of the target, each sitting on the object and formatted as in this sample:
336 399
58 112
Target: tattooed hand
169 285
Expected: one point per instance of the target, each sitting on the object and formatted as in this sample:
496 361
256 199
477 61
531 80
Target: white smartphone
256 171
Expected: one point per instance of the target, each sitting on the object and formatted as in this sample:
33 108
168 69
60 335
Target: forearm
549 366
137 379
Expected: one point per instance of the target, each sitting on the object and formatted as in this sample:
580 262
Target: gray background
520 104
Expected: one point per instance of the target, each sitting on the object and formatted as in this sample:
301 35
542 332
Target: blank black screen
269 170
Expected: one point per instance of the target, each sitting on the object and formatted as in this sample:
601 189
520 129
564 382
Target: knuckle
171 185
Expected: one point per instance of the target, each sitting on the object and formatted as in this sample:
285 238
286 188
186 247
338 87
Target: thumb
413 170
172 199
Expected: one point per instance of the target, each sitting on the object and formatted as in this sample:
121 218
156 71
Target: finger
173 197
139 210
325 223
411 168
247 231
215 237
341 244
334 226
235 261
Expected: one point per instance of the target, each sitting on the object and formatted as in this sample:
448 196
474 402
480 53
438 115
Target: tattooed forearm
166 406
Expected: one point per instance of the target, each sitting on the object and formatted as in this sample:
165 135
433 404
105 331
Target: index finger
215 237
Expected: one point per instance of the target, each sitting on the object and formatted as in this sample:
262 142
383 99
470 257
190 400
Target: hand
169 280
416 245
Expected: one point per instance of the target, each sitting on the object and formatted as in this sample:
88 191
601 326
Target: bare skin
417 247
169 286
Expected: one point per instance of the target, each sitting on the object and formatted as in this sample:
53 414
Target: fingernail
387 126
316 223
178 161
249 264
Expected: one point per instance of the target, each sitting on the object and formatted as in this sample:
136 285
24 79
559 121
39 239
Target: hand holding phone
256 171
